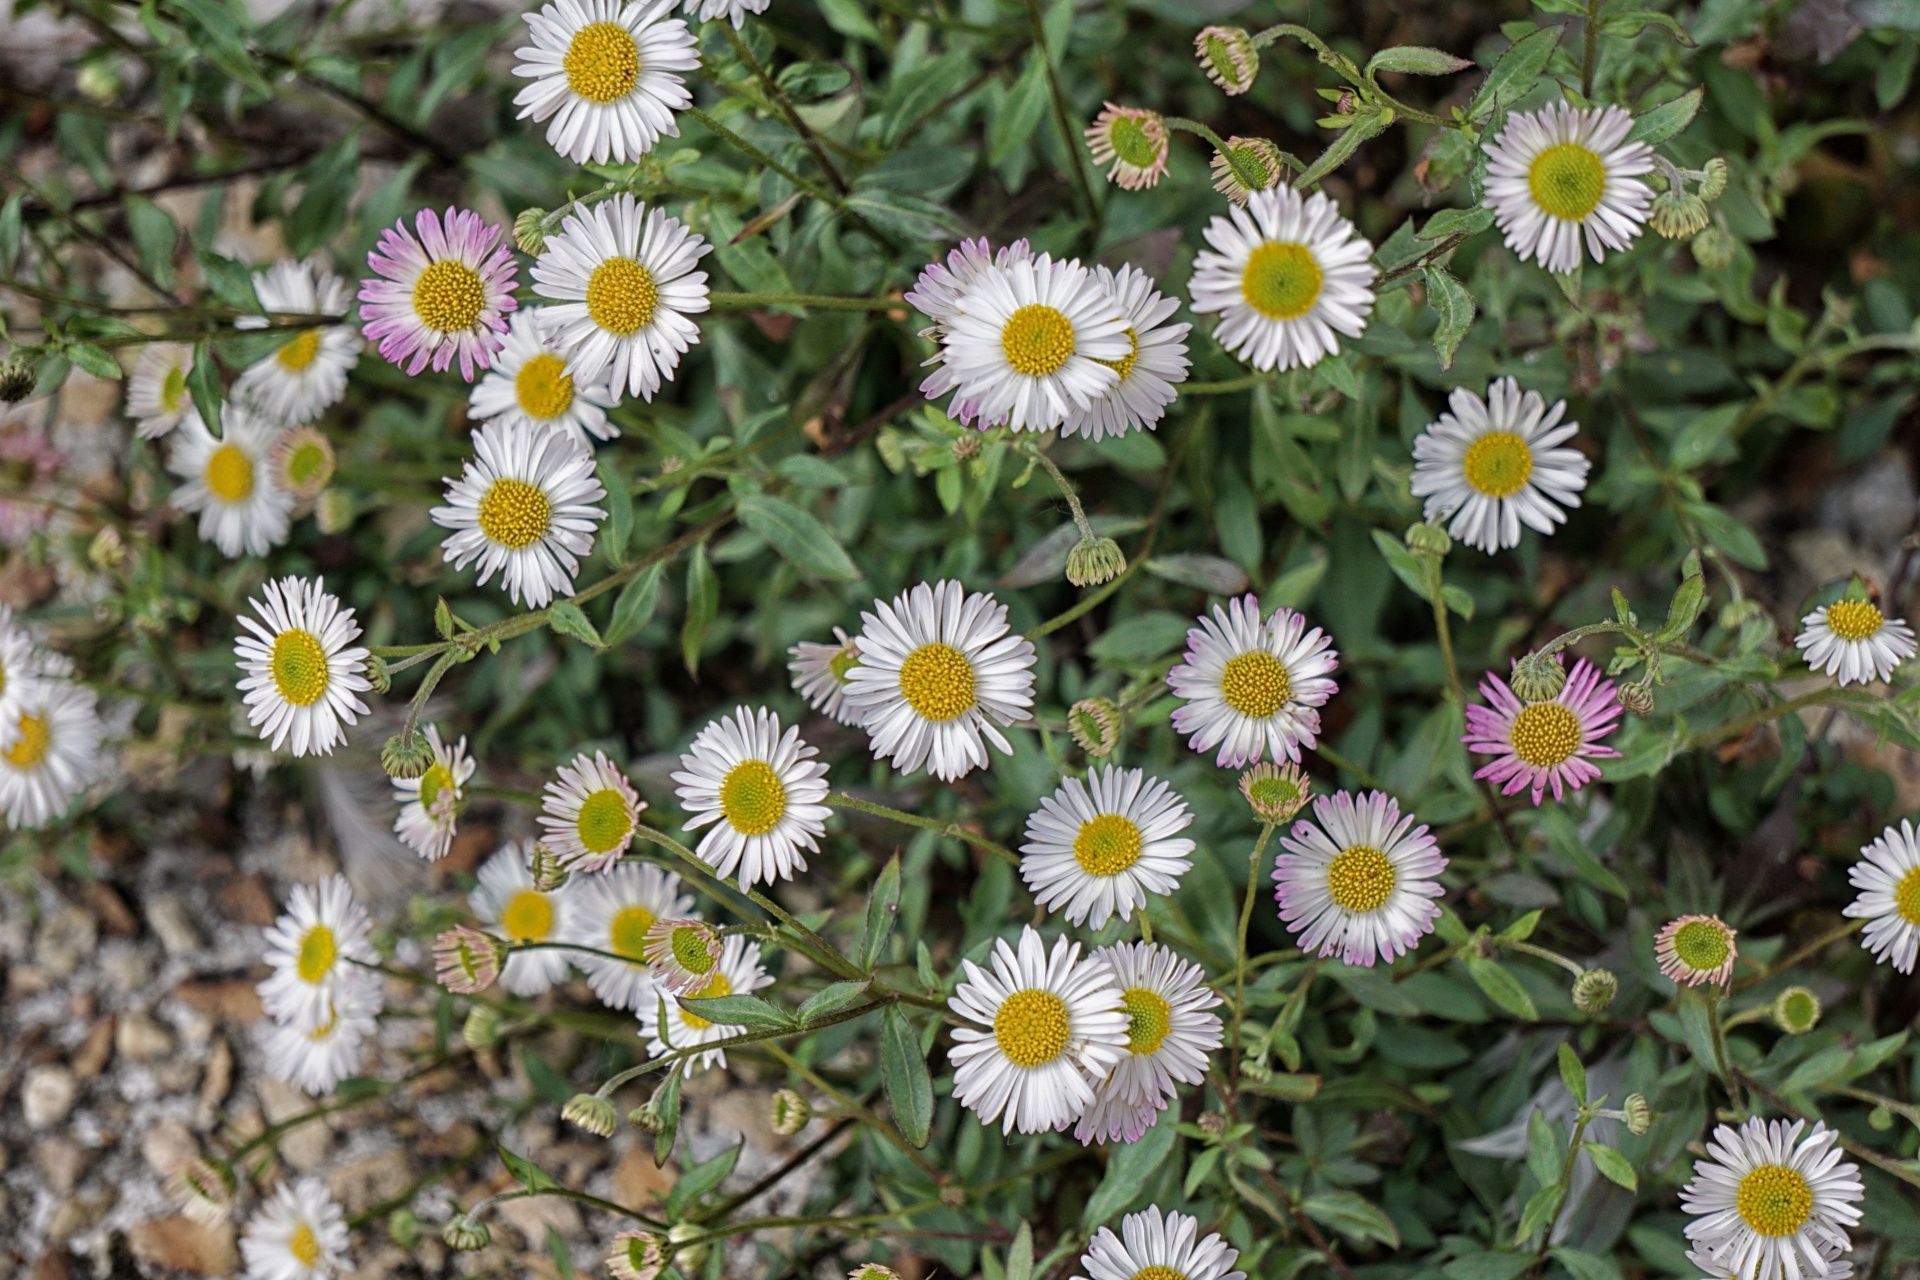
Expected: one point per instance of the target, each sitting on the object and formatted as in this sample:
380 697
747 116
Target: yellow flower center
1702 945
308 464
1567 181
435 780
449 296
1545 734
528 916
1498 464
1774 1200
299 667
603 63
1036 340
327 1028
1149 1018
543 387
1159 1273
229 473
173 389
1906 895
1031 1027
1124 365
604 823
1107 845
627 932
317 953
1281 280
31 747
1133 144
752 798
298 354
1255 684
1360 879
1853 619
716 986
514 514
304 1246
690 950
937 681
621 296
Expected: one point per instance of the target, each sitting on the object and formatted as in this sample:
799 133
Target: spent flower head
1696 949
1796 1011
1228 56
1276 792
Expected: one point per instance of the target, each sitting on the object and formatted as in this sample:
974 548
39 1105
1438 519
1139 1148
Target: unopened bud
1714 180
1212 1122
1428 539
1275 792
549 872
1714 248
646 1118
204 1188
591 1112
333 511
99 81
16 380
1639 1114
637 1255
464 1235
528 231
1880 1118
966 447
1245 161
872 1271
1634 699
481 1030
467 960
403 1228
790 1113
1594 990
954 1197
1677 213
1228 57
377 673
1095 726
688 1257
406 757
1538 677
107 550
1095 561
1796 1011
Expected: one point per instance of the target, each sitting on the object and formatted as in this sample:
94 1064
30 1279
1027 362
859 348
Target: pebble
47 1094
181 1244
141 1039
364 1183
91 1058
167 1146
62 1161
167 917
65 937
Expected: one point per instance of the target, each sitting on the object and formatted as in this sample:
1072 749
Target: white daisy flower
1152 1247
820 675
1047 1027
529 383
1170 1032
937 669
734 11
613 912
1561 172
1287 276
523 507
603 71
761 791
230 481
1253 687
512 906
430 804
317 949
300 1234
1771 1204
308 373
621 280
1156 364
319 1058
1888 878
1854 642
157 395
684 954
1101 846
590 813
1493 465
23 666
938 292
1713 1268
667 1026
1363 883
1034 342
55 754
300 668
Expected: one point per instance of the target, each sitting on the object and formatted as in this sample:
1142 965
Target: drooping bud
107 550
637 1255
333 511
1428 539
1714 248
481 1030
1213 1123
644 1117
1228 57
967 447
1537 677
1245 160
1133 142
1714 179
529 232
1796 1011
402 757
467 960
204 1188
16 380
1677 213
790 1113
1639 1114
591 1112
1095 725
1095 561
1594 990
1634 699
549 872
377 673
465 1235
688 1257
1275 792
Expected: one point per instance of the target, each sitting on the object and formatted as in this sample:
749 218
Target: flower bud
1678 213
465 1235
1212 1122
1428 539
303 461
967 447
1247 158
1714 179
404 757
403 1228
107 550
637 1255
481 1030
1131 143
1880 1118
16 380
954 1197
204 1188
1537 677
549 872
1275 792
689 1257
1635 699
1639 1114
467 960
377 673
528 231
1714 248
1095 725
99 81
1796 1011
591 1112
1228 57
333 511
1594 990
1095 561
790 1113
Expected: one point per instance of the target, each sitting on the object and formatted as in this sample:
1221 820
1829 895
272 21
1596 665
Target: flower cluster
50 730
324 992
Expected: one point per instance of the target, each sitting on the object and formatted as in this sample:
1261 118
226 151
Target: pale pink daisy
1696 949
1134 142
1544 744
441 295
1253 687
1363 883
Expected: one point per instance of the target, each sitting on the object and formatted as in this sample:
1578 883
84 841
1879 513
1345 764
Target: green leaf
231 282
204 385
1585 1266
1514 74
10 230
526 1172
666 1105
1613 1166
1487 1266
828 999
562 1259
910 217
1573 1073
1140 639
1520 930
566 619
738 1011
1449 222
1456 309
1685 606
617 532
633 607
1501 987
1292 1086
1632 22
1019 113
703 602
883 910
94 360
1212 574
1352 1216
1416 60
1541 1207
701 1179
1130 1170
328 181
154 235
1020 1254
1366 126
1667 120
800 538
903 1070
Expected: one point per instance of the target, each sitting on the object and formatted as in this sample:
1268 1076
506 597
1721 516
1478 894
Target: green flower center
1567 181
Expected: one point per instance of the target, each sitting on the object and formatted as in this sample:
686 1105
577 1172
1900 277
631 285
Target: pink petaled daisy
28 462
1696 949
1134 141
1363 882
1253 687
467 959
1542 744
442 295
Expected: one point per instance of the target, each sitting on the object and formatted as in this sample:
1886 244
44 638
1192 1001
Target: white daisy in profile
302 461
1771 1204
820 675
589 813
430 804
529 384
1253 687
1045 1026
667 1025
157 396
506 900
1099 847
1033 342
300 669
230 482
1854 642
612 912
299 1234
55 753
1170 1032
23 664
734 11
603 73
760 791
1888 878
308 374
1360 881
1287 276
1149 372
316 950
621 281
318 1058
937 670
1490 466
684 953
1561 173
1155 1247
524 507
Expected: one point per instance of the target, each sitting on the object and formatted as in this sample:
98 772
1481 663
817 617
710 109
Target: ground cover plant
1184 641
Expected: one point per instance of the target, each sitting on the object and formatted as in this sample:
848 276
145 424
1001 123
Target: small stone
167 917
62 1161
109 908
71 1216
141 1039
638 1183
181 1244
47 1094
168 1147
90 1059
533 1217
216 1083
245 900
65 937
303 1147
365 1183
54 1264
125 967
25 980
234 999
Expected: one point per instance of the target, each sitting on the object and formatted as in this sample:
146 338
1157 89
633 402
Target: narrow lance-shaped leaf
903 1071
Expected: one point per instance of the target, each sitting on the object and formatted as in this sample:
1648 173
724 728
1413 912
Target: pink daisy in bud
441 295
467 959
1134 141
1541 744
1696 949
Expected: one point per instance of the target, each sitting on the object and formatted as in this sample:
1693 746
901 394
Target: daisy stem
1246 177
1240 952
780 99
853 1107
739 143
841 800
1818 945
1592 56
1553 957
825 302
1566 1181
1063 119
741 1041
1727 1074
1066 491
1754 719
1437 596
